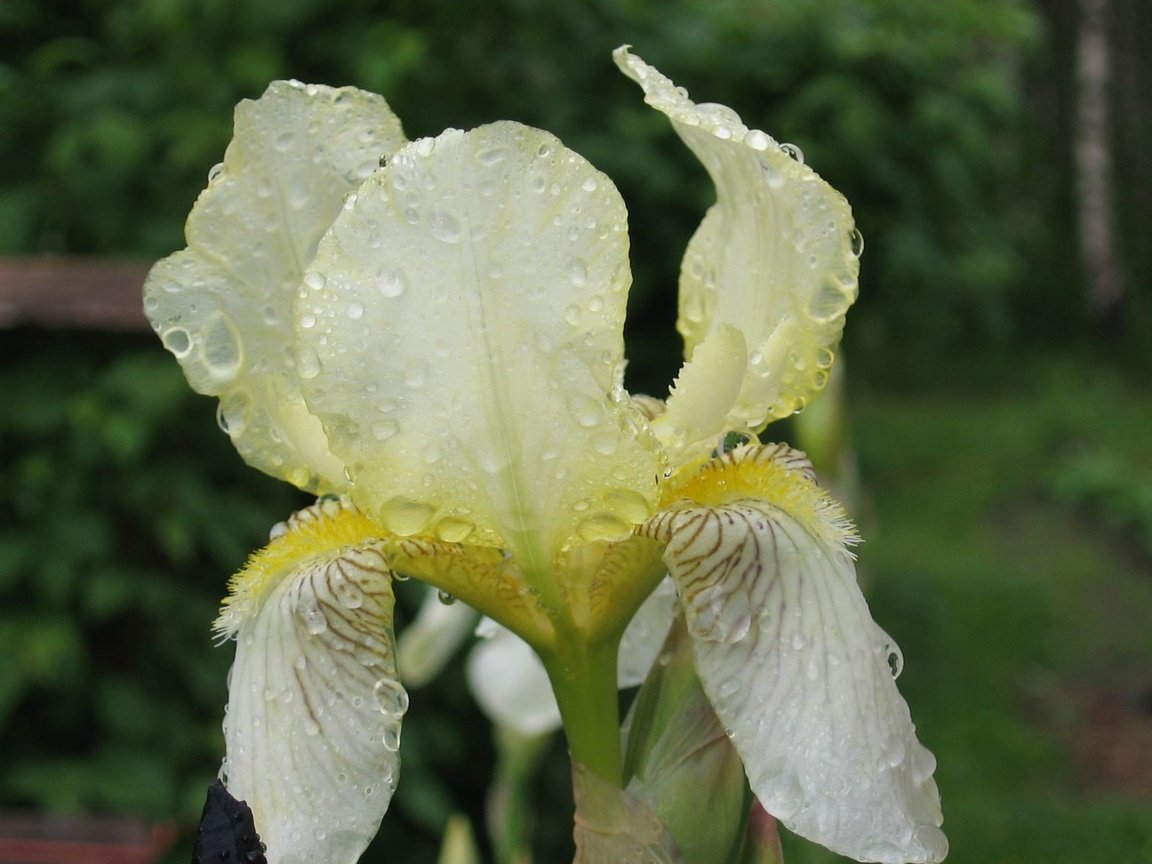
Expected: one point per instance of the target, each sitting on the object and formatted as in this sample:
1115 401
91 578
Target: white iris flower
430 332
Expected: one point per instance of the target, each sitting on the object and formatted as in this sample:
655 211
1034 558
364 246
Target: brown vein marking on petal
772 473
327 529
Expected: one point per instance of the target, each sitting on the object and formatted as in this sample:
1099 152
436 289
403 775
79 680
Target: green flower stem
583 676
510 807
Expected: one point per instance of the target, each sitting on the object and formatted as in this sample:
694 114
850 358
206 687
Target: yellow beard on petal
318 532
773 473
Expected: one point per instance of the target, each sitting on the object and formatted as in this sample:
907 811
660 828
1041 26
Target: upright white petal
314 712
223 306
796 669
773 258
461 340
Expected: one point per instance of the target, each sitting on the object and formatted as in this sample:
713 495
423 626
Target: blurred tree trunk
1099 251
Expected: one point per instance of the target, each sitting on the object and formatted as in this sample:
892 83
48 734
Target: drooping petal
774 257
314 710
792 662
223 306
461 331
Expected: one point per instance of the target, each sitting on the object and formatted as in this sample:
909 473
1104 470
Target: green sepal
679 761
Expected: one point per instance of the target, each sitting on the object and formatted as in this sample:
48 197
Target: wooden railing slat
72 293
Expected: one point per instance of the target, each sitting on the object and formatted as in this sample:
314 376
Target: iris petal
314 711
462 326
773 257
793 664
223 306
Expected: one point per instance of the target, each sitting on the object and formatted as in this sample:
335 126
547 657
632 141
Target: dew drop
390 282
315 281
492 156
585 410
406 517
307 321
577 272
219 347
178 341
355 310
444 227
629 505
416 374
829 300
452 529
733 439
308 363
602 526
311 728
894 751
299 194
857 241
391 697
382 430
215 171
311 616
895 660
792 152
757 140
445 598
283 141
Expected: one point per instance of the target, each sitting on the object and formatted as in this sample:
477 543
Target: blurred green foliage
111 115
109 576
126 509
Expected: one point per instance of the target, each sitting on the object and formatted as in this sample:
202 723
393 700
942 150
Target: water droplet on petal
445 598
586 410
444 227
757 140
793 152
391 697
452 529
406 517
857 241
382 430
577 272
734 439
492 156
311 616
390 282
215 171
177 340
602 526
